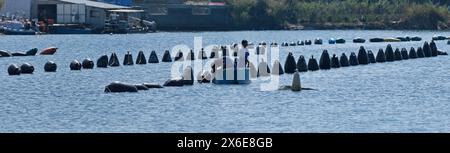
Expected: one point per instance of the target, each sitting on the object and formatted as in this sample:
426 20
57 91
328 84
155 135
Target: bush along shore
340 14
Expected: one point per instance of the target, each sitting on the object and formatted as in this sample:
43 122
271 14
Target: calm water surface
404 96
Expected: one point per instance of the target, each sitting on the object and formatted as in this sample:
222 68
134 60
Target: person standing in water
243 55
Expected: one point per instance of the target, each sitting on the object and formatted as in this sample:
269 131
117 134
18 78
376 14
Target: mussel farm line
325 62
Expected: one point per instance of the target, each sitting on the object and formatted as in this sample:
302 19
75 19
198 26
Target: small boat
391 40
332 41
416 38
273 44
11 31
49 51
308 42
376 40
439 38
403 38
359 40
318 41
340 41
232 76
293 44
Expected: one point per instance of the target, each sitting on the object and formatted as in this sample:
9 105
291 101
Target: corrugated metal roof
96 4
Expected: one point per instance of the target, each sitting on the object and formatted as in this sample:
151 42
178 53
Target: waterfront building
184 14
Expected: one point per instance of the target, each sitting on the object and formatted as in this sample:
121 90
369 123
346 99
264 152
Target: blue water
403 96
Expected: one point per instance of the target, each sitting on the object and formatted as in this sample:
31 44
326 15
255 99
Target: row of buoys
291 66
396 39
141 59
87 63
319 41
362 58
439 38
27 68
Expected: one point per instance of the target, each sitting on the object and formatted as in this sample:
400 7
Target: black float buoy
263 69
397 55
324 62
224 51
128 59
167 57
335 62
362 56
202 55
276 68
235 52
190 56
87 63
75 65
188 76
290 65
404 52
412 53
153 58
204 77
179 56
426 49
26 68
141 58
344 60
50 66
120 87
389 53
381 57
114 60
301 64
174 83
420 53
214 53
312 64
13 69
102 61
434 50
353 59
